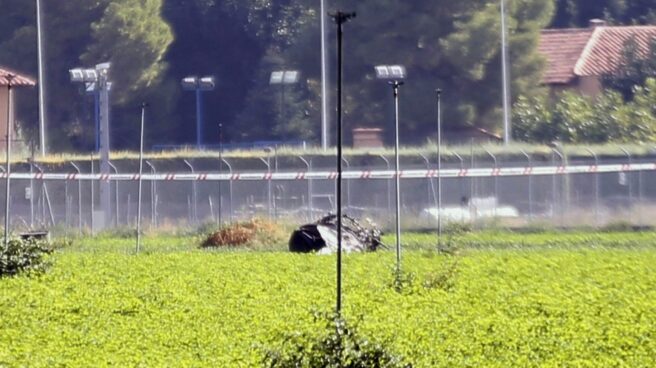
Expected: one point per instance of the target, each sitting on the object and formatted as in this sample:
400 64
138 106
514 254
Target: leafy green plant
23 255
340 345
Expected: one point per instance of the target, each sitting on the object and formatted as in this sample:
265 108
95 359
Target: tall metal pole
397 174
141 144
507 129
104 185
340 18
325 139
199 118
10 79
42 101
439 167
220 182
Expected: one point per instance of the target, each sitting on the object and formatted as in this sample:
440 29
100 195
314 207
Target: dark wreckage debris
321 236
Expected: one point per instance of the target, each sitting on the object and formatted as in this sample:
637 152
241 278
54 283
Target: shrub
23 255
340 346
255 232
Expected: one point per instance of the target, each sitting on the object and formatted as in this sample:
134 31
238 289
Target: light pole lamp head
206 83
190 83
79 75
284 77
390 72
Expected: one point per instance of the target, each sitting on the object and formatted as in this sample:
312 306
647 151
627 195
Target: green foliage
634 68
547 299
573 118
23 255
339 346
577 13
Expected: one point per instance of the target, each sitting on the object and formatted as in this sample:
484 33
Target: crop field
499 300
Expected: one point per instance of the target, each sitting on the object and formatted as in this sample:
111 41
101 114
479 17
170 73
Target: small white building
17 80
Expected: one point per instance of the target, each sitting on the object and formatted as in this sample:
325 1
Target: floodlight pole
42 102
340 18
324 80
10 79
220 182
397 173
199 118
439 168
507 132
104 185
141 144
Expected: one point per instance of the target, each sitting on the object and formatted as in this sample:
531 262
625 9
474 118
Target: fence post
530 184
389 185
79 197
429 180
496 182
267 162
308 165
229 189
46 202
629 182
562 163
116 193
194 208
348 183
153 195
597 189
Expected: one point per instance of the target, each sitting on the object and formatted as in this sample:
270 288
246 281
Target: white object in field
349 242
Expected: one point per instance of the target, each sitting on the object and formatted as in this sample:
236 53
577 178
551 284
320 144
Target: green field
502 300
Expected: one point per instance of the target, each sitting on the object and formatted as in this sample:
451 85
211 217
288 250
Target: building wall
590 86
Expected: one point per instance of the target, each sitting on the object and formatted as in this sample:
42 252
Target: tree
574 118
577 13
134 38
634 68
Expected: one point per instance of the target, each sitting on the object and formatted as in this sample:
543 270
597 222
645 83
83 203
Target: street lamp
96 80
198 85
394 74
282 78
507 113
10 79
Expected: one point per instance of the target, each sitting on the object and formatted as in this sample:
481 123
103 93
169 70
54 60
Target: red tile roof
562 48
588 51
19 80
604 51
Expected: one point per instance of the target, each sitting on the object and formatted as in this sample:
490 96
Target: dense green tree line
453 45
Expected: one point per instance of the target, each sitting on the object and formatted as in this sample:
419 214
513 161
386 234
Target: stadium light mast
507 128
325 139
98 80
42 98
10 79
282 78
340 18
198 85
394 75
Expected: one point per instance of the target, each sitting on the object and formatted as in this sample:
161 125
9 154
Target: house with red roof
8 77
578 58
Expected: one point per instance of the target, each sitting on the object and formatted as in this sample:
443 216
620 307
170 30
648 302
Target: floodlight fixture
199 85
284 77
190 83
390 72
206 83
104 67
96 82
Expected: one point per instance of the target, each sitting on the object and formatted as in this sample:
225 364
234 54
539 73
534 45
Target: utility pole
42 101
340 18
104 186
